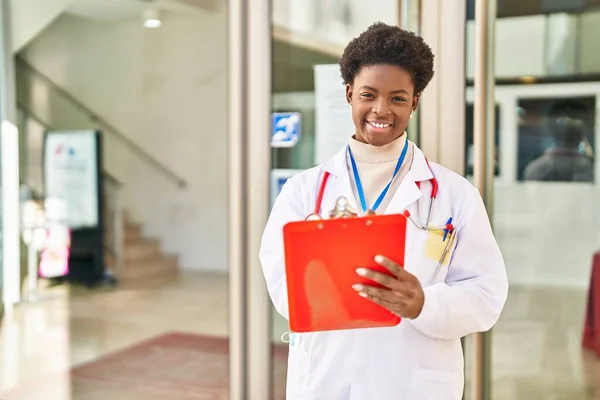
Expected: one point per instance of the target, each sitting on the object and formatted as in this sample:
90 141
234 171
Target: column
410 20
249 168
442 114
483 163
10 258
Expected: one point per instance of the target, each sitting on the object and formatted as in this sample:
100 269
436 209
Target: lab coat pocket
432 384
297 373
439 247
436 252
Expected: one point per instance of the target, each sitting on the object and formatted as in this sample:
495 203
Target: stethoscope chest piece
342 209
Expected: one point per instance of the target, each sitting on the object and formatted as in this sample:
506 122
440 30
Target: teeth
376 125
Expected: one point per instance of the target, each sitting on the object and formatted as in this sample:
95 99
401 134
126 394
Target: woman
385 71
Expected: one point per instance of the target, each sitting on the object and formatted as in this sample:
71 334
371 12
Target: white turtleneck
376 166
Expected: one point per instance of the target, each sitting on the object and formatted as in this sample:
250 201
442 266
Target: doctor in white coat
449 287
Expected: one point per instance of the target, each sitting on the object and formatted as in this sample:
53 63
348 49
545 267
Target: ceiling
293 59
115 10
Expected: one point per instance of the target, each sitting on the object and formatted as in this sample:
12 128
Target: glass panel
544 208
469 141
537 347
515 8
550 45
158 95
308 35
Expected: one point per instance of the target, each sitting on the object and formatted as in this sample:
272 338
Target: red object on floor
591 327
173 366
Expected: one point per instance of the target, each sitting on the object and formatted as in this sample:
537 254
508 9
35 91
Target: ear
349 93
415 102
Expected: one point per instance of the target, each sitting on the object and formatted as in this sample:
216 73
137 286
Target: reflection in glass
556 140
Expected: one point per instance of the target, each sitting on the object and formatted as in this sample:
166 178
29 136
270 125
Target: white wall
29 17
166 90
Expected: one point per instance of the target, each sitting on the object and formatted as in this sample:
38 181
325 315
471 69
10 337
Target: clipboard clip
342 209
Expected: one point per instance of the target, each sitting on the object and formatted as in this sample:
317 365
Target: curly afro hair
383 44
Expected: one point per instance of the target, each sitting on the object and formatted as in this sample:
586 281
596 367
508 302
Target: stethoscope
432 197
343 209
342 203
447 229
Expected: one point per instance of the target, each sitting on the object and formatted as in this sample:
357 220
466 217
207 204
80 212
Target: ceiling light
152 18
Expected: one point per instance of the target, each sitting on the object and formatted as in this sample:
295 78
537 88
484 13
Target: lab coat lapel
408 192
339 183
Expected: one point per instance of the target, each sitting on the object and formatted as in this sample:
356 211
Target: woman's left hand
402 293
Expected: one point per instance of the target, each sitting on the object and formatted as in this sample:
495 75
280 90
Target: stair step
142 257
133 233
140 250
161 265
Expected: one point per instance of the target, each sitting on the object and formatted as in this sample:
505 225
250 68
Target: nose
381 108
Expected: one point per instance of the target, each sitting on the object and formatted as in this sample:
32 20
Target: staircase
143 257
128 253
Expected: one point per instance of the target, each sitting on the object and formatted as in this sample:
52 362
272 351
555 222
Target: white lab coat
418 359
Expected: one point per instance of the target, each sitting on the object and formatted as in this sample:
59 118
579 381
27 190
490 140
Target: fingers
384 279
380 293
401 283
391 266
399 274
399 294
382 302
393 301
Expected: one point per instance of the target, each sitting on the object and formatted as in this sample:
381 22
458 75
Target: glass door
299 46
308 38
545 199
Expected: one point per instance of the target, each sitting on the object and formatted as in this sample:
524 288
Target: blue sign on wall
280 182
278 178
285 129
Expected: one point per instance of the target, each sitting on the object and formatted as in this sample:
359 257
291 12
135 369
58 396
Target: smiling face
382 99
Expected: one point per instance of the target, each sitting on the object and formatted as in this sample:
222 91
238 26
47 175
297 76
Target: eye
367 95
399 99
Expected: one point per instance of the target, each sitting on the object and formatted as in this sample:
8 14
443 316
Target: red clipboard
321 258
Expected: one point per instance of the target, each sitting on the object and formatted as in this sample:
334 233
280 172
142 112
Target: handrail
46 125
94 117
112 179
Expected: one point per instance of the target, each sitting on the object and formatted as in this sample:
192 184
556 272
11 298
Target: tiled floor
536 345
